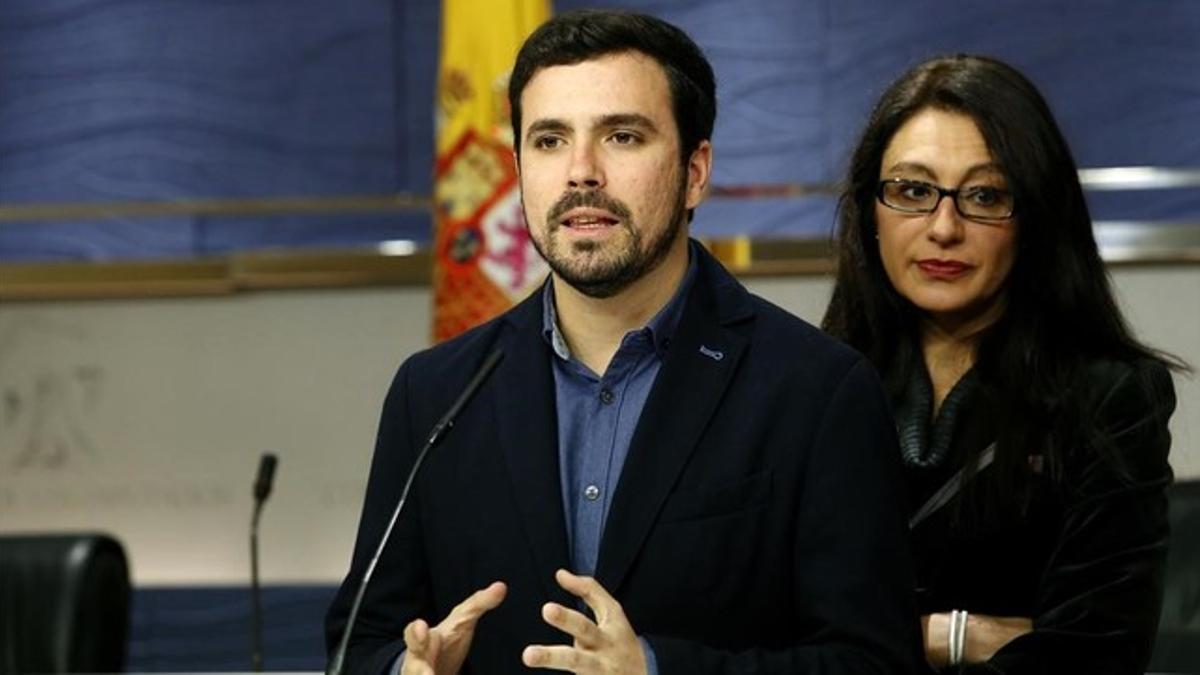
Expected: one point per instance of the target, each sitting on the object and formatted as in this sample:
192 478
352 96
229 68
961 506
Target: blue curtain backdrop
139 100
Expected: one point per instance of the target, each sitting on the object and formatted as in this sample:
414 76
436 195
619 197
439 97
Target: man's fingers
483 600
589 590
416 638
605 645
573 623
421 645
556 657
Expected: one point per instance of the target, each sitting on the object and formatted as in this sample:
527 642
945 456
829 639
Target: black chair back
64 604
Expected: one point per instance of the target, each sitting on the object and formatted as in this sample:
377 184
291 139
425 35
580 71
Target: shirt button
591 493
606 396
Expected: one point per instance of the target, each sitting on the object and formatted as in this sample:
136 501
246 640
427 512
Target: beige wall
146 417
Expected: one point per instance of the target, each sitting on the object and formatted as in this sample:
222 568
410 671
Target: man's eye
624 138
547 142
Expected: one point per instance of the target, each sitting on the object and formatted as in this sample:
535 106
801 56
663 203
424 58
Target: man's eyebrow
635 120
544 125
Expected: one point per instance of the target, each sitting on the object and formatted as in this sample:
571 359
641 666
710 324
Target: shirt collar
661 328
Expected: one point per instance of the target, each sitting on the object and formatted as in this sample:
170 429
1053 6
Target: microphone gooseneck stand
435 436
262 489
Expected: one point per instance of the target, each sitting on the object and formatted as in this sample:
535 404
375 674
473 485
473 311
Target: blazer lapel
527 426
703 358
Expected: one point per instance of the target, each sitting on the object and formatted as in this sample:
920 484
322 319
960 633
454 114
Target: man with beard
665 473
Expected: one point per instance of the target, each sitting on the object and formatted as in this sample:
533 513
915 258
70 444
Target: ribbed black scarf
924 441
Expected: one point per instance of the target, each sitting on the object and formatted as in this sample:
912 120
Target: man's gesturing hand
442 649
608 645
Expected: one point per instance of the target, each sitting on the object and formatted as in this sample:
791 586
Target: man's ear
699 171
517 163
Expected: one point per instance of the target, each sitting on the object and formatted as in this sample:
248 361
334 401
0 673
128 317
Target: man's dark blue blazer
757 526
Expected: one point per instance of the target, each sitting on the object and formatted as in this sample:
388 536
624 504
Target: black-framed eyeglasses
976 202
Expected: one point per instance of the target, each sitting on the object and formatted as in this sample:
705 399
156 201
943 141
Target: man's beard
604 273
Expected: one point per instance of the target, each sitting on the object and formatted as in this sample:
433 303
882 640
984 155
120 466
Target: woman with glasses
1033 425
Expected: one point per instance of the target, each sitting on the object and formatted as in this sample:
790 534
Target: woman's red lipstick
943 269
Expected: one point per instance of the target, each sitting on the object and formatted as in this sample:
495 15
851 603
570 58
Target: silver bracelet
951 631
957 636
962 636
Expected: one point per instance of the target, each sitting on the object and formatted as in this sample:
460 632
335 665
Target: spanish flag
483 258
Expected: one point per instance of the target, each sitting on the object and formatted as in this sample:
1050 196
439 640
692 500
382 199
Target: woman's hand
985 636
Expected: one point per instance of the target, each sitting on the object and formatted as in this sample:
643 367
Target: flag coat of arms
484 261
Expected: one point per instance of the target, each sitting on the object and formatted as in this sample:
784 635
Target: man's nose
585 172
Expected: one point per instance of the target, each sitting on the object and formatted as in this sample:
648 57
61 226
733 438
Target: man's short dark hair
581 35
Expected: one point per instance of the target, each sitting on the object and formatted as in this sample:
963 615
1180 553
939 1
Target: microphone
266 475
436 435
262 490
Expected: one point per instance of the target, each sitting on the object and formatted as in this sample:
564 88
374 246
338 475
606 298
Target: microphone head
266 475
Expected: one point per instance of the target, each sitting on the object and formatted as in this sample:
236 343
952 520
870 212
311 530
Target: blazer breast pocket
741 495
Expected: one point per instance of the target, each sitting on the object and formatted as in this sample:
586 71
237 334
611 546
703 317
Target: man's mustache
592 198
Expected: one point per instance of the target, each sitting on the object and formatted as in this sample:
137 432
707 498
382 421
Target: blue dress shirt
597 415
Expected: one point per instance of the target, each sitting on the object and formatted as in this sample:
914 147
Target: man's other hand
607 645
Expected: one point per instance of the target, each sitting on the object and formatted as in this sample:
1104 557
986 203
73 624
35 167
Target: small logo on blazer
712 353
